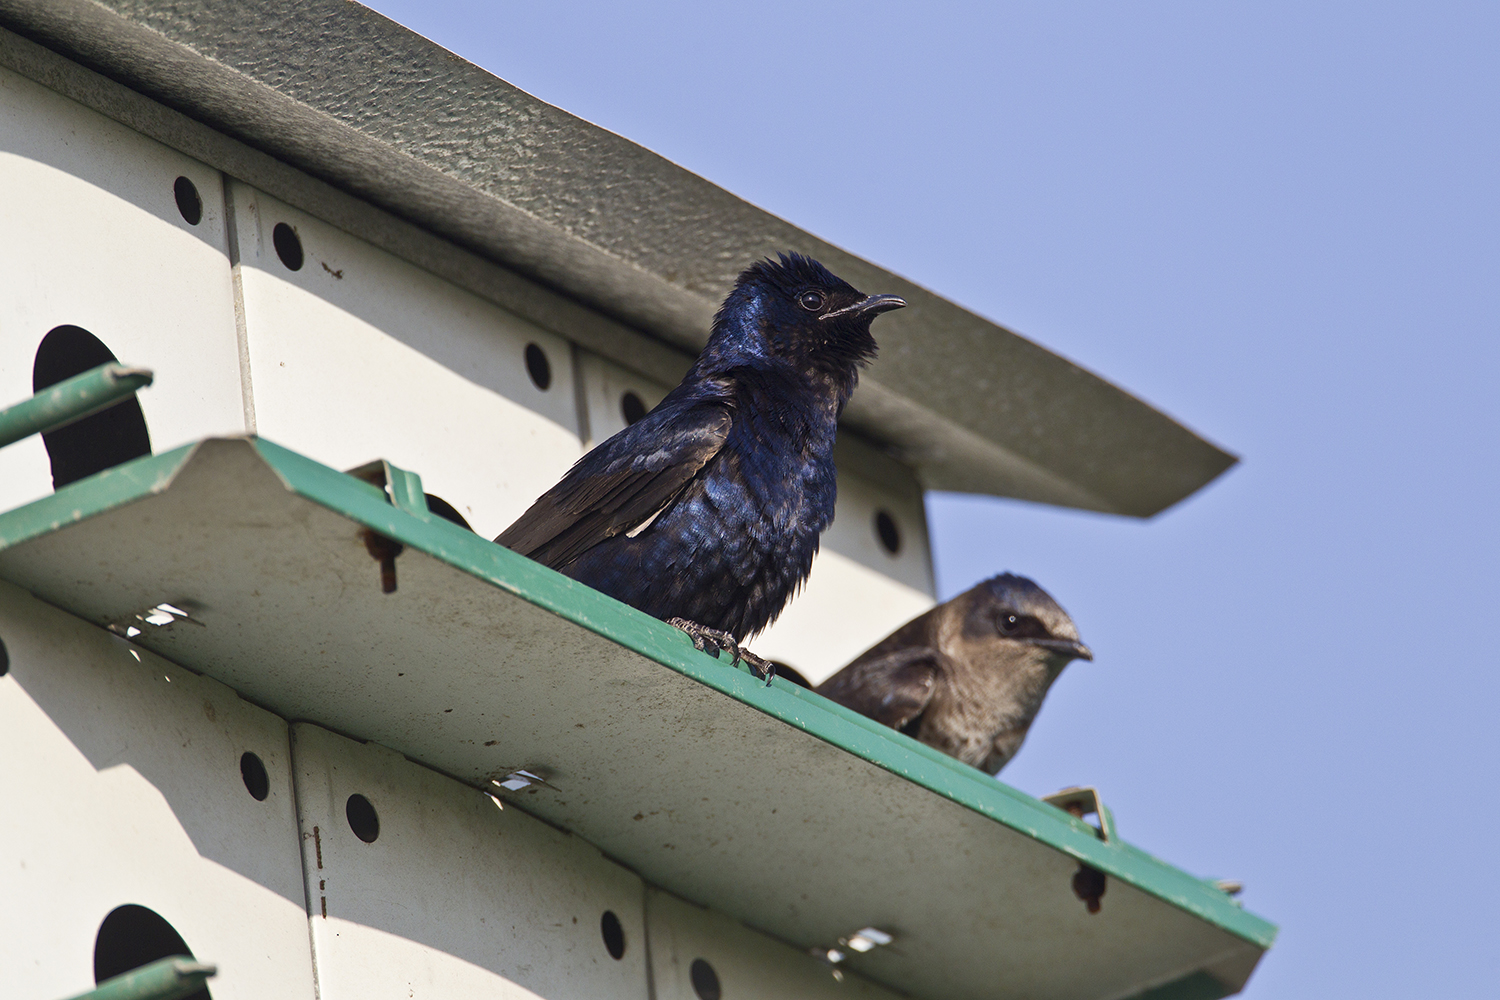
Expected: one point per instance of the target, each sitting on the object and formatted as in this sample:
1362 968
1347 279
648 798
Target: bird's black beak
870 305
1068 647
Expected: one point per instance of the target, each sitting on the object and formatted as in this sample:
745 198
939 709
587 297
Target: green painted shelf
773 805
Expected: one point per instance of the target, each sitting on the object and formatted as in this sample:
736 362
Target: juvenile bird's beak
870 305
1068 647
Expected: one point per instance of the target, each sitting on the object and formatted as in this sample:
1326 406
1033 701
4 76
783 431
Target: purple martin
968 676
706 512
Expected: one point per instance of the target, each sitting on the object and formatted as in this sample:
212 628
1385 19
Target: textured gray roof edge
377 112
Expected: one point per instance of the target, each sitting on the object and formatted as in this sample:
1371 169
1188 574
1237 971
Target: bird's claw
761 667
714 641
708 640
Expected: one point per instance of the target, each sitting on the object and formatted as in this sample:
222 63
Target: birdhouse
302 310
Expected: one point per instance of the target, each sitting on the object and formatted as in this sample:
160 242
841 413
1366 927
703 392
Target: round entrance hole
288 246
632 407
887 532
362 818
189 203
101 440
446 511
133 936
705 980
257 782
538 367
614 935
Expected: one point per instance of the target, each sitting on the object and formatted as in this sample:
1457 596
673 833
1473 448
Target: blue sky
1280 224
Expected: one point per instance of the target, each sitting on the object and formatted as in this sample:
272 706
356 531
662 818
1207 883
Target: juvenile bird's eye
811 301
1009 623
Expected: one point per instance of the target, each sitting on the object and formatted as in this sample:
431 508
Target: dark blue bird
706 512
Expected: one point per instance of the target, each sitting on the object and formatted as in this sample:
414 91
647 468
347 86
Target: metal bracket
71 399
168 979
1089 883
402 489
1079 801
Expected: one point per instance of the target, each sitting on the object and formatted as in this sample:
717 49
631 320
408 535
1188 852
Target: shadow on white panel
422 886
356 355
106 230
697 954
151 798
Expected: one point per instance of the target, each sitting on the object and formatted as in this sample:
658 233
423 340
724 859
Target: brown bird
968 676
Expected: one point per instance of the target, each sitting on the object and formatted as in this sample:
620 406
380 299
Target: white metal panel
360 355
858 592
454 897
746 964
122 785
603 386
90 235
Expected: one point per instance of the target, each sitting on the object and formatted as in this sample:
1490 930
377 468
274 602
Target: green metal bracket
168 979
1080 801
402 488
70 400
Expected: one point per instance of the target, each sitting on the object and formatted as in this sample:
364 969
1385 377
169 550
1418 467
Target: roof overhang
374 110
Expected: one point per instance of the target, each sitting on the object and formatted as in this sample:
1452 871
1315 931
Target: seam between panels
307 890
580 398
237 283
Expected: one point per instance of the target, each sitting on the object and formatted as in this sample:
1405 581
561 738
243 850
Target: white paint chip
519 779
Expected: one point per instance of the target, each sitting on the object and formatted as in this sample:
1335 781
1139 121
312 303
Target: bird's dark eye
811 301
1009 624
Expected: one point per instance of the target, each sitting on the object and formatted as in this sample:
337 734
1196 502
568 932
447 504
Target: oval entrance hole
101 440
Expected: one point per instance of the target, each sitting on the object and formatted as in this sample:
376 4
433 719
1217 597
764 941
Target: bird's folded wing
621 485
893 688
